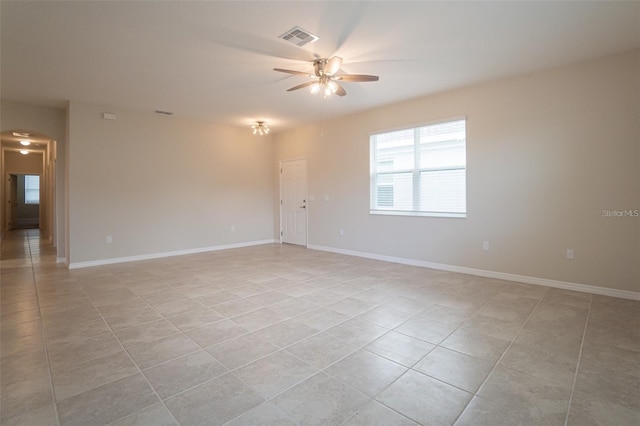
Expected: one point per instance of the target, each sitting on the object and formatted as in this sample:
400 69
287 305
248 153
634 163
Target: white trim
90 263
584 288
61 260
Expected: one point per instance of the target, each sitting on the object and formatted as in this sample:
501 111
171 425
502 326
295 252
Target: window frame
416 173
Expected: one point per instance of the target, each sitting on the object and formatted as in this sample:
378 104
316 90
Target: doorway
293 202
23 201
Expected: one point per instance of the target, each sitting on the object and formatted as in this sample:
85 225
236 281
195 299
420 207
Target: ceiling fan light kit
326 79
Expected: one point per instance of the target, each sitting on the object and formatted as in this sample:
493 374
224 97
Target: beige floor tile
242 350
286 333
425 329
482 412
321 350
145 333
446 314
321 318
540 362
320 400
351 306
214 333
404 350
523 393
214 402
604 384
357 332
120 320
178 307
149 354
476 345
259 318
194 319
92 374
587 410
183 373
107 403
385 316
366 371
155 415
295 306
31 393
275 373
492 327
66 354
264 414
43 416
479 319
424 400
376 414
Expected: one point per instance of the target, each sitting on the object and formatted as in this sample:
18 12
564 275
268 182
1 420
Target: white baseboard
61 260
101 262
584 288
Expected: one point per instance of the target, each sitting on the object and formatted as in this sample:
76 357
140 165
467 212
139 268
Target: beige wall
546 153
161 184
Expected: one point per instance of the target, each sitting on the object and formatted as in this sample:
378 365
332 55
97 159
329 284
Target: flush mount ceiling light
260 128
25 142
24 152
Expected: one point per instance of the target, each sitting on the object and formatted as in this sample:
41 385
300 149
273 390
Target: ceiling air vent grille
298 36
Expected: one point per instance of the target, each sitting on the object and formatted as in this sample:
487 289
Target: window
31 189
420 171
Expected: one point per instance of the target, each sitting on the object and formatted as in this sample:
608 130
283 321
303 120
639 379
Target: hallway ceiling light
260 128
25 142
24 152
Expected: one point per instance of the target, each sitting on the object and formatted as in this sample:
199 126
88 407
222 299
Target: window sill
425 214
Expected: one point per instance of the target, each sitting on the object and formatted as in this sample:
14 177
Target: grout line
43 334
475 394
575 376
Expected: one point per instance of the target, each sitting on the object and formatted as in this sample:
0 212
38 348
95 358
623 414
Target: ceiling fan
326 80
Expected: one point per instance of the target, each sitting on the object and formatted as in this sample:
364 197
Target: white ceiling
214 60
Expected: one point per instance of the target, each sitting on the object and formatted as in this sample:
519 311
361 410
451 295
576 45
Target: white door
293 201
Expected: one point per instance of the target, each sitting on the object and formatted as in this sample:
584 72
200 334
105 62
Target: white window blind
31 189
420 171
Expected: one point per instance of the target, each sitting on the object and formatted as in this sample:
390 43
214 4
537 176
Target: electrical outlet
485 245
233 228
570 254
109 239
341 231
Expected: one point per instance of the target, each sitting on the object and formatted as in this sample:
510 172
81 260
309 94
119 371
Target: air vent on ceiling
298 36
161 112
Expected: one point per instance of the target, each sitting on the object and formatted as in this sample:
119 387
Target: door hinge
281 233
280 171
280 201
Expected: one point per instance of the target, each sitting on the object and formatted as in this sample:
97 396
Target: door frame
306 191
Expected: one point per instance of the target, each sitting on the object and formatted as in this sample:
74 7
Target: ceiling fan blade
340 91
301 86
357 77
333 65
291 71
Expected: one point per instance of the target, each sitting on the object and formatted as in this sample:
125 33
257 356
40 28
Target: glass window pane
31 189
443 191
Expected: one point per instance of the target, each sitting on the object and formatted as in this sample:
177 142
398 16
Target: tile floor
281 335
